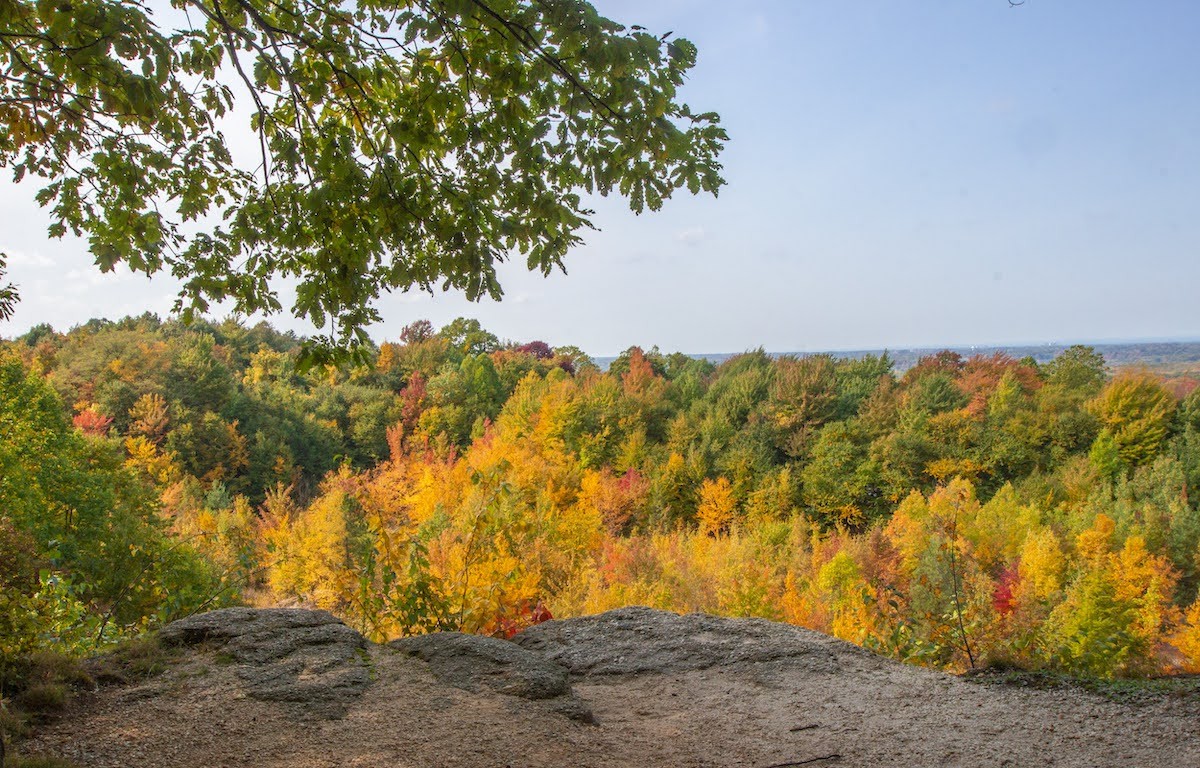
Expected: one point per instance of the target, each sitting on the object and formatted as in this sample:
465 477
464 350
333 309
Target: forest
970 512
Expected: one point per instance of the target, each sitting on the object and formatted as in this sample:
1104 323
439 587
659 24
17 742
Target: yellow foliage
616 499
717 506
908 529
1187 639
147 460
1042 567
946 469
310 554
1136 410
1095 543
842 587
998 531
1147 580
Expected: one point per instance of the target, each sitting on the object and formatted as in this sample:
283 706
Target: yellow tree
717 506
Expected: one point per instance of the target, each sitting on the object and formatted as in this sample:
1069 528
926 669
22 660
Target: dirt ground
823 704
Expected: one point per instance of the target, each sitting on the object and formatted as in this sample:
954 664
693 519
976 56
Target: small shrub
136 659
50 666
13 725
42 699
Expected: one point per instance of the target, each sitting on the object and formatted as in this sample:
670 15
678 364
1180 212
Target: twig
954 581
808 727
834 756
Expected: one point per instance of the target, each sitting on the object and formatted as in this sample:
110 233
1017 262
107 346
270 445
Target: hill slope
630 687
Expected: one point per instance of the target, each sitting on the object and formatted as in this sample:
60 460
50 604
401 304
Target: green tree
1137 411
1078 368
404 144
467 337
803 397
90 520
841 482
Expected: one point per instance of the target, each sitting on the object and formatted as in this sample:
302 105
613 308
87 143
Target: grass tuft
138 659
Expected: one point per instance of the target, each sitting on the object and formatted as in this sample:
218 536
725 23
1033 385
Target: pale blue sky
900 174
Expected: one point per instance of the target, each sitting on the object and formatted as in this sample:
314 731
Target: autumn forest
965 512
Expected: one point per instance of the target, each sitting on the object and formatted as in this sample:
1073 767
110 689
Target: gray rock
469 661
283 654
472 661
630 641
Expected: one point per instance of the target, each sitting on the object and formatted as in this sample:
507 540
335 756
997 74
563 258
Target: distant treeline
1172 355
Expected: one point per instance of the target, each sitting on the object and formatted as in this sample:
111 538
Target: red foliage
526 615
540 613
939 362
633 483
412 404
416 332
92 422
539 349
1002 594
413 399
640 382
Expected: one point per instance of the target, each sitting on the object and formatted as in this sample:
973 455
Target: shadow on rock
471 661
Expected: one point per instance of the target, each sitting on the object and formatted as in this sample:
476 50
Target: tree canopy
978 509
401 144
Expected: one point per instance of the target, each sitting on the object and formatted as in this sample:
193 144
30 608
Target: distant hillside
1168 355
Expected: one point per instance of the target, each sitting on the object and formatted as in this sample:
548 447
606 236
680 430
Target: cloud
692 237
27 259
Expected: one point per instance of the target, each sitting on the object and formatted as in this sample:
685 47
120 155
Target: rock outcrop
299 689
470 662
639 640
282 654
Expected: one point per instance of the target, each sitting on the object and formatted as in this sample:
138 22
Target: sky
900 174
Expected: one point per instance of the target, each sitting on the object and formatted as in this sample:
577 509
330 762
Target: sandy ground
853 709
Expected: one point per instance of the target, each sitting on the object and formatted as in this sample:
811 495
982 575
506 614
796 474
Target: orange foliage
981 375
90 421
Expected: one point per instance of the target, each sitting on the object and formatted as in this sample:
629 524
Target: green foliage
1094 630
1078 369
403 145
1137 412
91 527
842 485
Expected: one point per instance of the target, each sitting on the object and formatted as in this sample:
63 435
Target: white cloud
692 237
28 259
